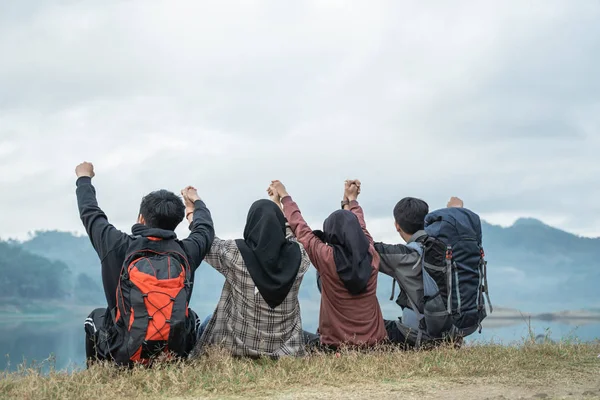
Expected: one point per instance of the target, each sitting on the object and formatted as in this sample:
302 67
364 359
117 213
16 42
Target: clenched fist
85 169
455 202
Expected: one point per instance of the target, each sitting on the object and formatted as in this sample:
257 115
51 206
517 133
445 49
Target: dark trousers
101 337
399 338
395 336
98 335
312 341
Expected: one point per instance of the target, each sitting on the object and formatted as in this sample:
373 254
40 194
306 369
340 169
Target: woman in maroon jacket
348 264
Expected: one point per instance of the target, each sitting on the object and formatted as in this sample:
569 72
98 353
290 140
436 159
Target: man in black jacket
160 213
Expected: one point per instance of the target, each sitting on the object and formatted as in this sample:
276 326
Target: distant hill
75 251
81 277
532 267
26 275
81 258
538 268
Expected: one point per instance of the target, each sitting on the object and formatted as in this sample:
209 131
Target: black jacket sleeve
202 234
104 237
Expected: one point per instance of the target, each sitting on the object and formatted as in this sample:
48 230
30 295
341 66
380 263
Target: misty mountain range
531 267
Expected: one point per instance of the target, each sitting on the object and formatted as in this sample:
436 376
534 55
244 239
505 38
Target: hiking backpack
461 278
152 302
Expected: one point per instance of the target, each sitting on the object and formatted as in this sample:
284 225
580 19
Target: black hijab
272 260
350 245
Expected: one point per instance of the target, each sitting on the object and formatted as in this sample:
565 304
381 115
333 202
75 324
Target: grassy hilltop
490 371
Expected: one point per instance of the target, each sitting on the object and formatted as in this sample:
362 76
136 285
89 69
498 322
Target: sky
495 102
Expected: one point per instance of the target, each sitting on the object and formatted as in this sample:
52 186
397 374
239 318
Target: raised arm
351 192
202 232
317 251
358 211
223 255
103 235
275 198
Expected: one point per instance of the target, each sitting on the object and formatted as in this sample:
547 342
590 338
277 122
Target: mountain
82 280
75 251
533 238
535 267
26 275
85 281
531 267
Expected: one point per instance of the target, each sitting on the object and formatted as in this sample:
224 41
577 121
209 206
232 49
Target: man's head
410 214
162 209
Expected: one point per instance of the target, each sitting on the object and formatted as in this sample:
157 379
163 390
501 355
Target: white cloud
495 102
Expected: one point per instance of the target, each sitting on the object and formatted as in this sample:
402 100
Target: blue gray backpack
443 295
454 288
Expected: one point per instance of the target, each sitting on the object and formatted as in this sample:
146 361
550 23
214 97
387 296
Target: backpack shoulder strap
483 270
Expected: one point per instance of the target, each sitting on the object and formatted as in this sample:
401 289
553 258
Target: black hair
162 209
410 214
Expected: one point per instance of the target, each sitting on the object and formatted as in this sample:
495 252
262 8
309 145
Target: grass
384 373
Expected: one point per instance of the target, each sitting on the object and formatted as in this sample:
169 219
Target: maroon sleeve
358 211
319 253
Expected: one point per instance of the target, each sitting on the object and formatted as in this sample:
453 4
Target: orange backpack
152 302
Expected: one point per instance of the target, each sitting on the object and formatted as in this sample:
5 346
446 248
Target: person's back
147 276
258 314
344 256
346 318
424 315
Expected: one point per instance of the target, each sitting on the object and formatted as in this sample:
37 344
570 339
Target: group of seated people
148 276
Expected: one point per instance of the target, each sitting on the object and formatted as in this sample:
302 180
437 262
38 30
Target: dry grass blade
220 376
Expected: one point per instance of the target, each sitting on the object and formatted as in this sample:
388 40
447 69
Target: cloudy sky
497 102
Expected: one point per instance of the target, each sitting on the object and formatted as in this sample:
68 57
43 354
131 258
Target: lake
64 341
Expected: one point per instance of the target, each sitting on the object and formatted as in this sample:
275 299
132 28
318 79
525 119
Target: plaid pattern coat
243 323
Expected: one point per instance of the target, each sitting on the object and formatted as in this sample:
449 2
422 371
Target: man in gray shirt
403 262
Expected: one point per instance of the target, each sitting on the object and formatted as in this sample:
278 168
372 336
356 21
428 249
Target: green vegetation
49 272
26 275
472 372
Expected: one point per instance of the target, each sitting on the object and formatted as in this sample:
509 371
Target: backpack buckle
449 254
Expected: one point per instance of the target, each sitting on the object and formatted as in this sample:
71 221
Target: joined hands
190 196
